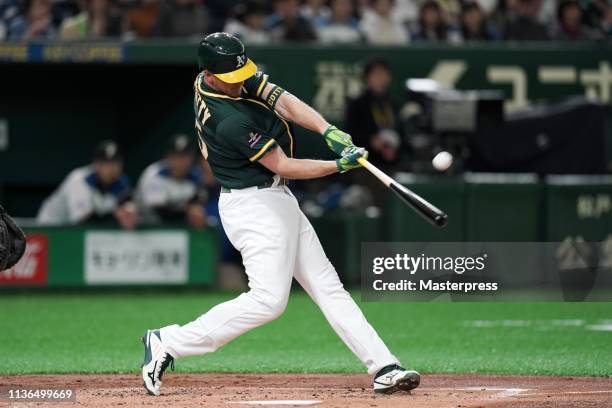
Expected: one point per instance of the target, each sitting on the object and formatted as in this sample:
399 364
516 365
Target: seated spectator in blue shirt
341 26
99 192
287 24
172 190
432 26
474 26
35 20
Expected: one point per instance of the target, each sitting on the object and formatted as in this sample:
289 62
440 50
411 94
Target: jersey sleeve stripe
264 81
264 148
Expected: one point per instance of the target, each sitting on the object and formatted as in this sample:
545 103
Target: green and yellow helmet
224 56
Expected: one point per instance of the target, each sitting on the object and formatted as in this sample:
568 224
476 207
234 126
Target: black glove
12 241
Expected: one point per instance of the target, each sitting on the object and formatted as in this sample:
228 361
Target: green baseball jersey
235 132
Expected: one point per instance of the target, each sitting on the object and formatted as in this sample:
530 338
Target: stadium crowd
394 22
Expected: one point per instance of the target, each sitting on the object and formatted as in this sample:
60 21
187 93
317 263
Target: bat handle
384 178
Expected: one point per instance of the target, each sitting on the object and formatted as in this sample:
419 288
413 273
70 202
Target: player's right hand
350 160
338 141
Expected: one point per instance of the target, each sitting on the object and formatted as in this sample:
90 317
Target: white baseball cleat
393 378
156 360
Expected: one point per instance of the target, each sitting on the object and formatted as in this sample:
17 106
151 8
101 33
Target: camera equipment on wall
441 119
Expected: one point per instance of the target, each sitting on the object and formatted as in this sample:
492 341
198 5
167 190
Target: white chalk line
277 402
303 388
566 392
600 327
369 389
604 325
503 392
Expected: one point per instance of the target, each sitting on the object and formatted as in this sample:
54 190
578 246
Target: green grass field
99 332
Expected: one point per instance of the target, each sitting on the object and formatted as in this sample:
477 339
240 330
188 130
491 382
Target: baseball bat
422 207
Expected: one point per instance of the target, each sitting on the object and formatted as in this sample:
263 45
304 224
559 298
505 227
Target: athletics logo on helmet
224 55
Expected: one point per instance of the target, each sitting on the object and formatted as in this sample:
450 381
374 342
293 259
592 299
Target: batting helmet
224 56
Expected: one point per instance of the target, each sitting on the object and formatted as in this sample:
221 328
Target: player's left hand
338 141
350 160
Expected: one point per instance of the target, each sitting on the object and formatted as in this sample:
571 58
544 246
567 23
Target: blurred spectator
569 24
379 27
248 23
34 20
524 26
142 16
504 11
594 12
378 22
219 12
172 190
450 11
406 11
341 26
547 13
432 26
99 192
372 117
474 26
315 9
8 10
181 18
95 20
287 24
487 6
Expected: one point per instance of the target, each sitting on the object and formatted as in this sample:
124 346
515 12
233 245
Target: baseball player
99 192
172 190
244 126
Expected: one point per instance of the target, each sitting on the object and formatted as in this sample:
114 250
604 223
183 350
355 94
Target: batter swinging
243 123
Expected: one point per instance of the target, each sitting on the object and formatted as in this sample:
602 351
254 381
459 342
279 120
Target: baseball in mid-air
442 161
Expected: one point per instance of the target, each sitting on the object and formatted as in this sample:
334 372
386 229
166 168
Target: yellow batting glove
337 140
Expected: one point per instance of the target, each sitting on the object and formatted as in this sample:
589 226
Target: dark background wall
58 111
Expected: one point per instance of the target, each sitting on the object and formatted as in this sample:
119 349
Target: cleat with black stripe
155 363
394 378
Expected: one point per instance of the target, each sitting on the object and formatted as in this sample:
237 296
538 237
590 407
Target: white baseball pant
277 244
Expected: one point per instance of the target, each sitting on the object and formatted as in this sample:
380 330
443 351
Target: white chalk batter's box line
277 402
567 393
501 393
